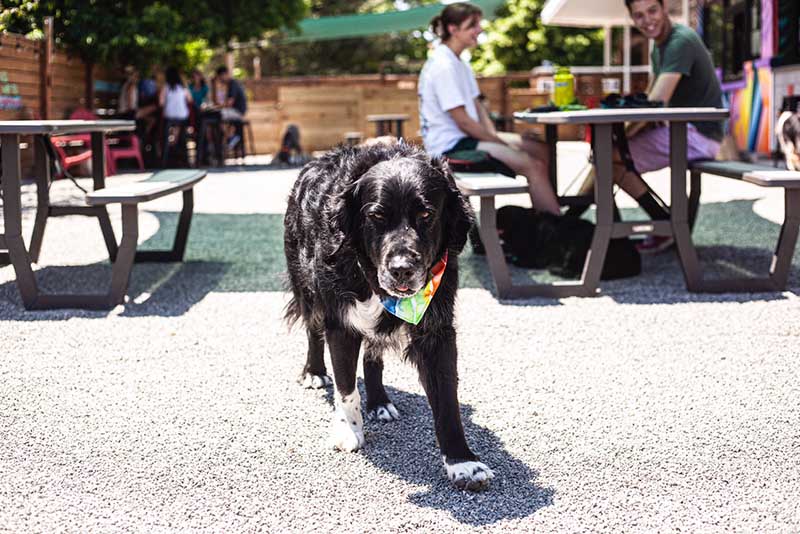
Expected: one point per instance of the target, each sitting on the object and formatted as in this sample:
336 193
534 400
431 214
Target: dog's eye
425 214
375 215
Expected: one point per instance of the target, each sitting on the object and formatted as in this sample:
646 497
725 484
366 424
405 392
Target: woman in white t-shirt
453 119
175 100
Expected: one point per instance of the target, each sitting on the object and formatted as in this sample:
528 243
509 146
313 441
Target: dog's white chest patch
364 316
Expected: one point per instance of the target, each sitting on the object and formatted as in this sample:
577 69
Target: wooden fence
37 81
325 108
30 90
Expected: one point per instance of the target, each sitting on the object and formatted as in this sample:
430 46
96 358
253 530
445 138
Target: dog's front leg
436 358
347 432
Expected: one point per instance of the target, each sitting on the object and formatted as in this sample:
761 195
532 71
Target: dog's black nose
401 268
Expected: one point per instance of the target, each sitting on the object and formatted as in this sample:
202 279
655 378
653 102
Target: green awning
416 18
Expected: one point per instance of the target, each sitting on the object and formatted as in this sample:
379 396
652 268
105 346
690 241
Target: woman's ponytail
454 14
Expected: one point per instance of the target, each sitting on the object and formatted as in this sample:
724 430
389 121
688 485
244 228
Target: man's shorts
465 143
650 148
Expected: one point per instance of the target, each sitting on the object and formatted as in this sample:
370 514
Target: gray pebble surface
646 409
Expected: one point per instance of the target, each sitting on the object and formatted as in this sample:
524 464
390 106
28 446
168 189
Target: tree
145 32
517 40
240 20
395 52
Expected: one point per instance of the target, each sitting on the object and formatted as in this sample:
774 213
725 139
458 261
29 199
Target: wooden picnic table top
55 127
611 115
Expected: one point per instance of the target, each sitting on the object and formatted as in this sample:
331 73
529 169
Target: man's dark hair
222 70
629 2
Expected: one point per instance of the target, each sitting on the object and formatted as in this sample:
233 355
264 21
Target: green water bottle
563 87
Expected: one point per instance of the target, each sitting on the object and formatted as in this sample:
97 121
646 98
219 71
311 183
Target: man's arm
471 127
661 89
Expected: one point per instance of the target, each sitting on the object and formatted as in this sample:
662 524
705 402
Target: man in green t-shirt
683 76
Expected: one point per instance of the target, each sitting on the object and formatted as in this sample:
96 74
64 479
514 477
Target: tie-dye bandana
411 309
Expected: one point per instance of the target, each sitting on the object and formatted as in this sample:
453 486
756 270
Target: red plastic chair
132 151
127 149
69 161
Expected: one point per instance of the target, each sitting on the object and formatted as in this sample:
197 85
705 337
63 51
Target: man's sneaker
653 244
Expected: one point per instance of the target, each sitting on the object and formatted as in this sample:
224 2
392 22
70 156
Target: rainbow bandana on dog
411 309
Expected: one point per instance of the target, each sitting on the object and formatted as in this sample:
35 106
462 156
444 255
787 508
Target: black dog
365 224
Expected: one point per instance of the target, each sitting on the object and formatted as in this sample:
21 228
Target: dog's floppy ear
458 216
343 216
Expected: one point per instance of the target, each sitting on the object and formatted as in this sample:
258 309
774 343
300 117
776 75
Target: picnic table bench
763 176
130 195
683 209
487 186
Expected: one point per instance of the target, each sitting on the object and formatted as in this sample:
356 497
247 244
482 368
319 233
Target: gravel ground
645 409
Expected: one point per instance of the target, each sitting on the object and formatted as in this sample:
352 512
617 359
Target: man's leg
649 154
542 195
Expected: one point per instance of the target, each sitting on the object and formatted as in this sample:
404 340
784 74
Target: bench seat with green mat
130 195
763 176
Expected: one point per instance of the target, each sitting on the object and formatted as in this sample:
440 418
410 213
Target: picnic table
11 239
383 123
602 121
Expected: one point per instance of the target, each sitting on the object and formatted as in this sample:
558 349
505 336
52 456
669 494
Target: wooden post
89 90
45 70
504 96
229 58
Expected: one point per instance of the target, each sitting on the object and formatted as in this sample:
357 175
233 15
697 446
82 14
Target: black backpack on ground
560 244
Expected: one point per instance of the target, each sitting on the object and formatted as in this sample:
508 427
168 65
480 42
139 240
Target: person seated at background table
128 101
198 88
452 118
147 112
175 100
234 102
683 76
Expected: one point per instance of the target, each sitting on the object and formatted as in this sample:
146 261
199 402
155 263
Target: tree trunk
89 92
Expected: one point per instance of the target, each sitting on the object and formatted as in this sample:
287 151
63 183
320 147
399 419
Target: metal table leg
99 182
12 216
43 180
181 236
604 200
679 209
551 138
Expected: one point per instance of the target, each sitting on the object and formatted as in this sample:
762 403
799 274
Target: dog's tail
291 313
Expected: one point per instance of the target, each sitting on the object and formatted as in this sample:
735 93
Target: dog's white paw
311 381
345 436
473 476
384 412
347 431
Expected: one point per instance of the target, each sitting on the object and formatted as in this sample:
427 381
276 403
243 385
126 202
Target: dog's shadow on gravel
407 449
